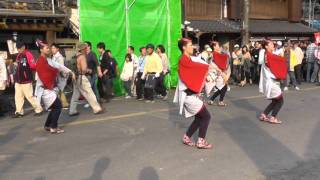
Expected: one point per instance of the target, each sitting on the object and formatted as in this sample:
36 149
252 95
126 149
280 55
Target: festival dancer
220 77
273 70
192 77
48 72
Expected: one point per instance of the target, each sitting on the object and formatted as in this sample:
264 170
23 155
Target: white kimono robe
190 105
269 86
49 96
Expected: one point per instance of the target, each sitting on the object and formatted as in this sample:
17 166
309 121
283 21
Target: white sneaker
86 105
285 89
297 88
128 97
228 88
165 97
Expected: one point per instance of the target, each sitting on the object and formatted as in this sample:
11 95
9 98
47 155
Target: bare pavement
138 141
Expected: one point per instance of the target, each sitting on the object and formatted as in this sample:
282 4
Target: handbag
150 81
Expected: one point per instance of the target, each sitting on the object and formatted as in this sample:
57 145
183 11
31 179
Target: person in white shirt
135 61
62 77
279 49
127 75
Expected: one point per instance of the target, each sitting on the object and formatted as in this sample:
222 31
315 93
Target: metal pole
127 23
245 22
53 10
310 6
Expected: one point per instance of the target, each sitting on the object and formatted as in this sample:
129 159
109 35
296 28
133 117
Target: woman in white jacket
127 74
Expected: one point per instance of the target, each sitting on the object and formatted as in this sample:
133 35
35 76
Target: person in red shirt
23 78
192 75
48 72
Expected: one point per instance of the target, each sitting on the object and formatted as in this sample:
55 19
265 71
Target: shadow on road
100 166
10 135
148 173
14 160
248 106
267 153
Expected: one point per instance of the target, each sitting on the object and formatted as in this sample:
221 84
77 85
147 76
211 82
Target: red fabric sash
317 38
192 74
46 73
221 60
277 65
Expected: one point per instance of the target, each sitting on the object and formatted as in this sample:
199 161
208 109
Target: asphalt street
139 141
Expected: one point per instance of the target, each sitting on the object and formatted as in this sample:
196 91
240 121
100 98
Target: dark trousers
255 73
139 85
160 88
53 117
298 74
236 71
221 92
148 94
201 122
258 73
127 87
274 106
107 87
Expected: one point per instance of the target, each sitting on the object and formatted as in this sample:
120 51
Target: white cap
279 43
209 49
206 46
236 46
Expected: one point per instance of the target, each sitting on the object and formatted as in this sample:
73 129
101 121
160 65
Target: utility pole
184 3
245 21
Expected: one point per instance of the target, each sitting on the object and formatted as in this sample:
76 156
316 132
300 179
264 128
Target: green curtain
146 21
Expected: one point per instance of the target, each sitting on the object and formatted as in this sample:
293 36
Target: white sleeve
261 56
58 66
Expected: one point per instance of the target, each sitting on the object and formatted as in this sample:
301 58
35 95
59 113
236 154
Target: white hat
236 46
206 46
209 49
279 43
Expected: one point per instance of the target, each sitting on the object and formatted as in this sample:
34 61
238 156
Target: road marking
90 121
123 116
261 96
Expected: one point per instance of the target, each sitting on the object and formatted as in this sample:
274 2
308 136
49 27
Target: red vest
277 65
192 74
47 74
221 60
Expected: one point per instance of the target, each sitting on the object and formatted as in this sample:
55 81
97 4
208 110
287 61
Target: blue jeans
309 68
291 77
92 80
314 76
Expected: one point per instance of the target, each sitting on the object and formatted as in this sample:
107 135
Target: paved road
138 141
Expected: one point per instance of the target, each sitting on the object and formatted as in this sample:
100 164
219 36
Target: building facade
221 20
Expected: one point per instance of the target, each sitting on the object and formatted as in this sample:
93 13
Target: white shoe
297 88
228 88
86 105
128 97
285 89
165 97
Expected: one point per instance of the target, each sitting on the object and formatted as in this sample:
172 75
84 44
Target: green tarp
120 23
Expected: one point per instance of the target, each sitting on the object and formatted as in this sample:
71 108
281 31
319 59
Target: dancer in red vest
273 70
192 77
48 72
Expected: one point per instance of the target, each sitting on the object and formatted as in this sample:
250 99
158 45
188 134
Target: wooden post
50 37
245 22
